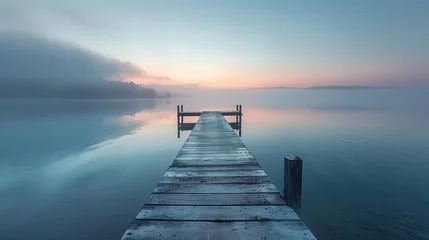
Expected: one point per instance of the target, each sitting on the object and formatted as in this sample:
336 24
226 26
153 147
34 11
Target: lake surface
82 169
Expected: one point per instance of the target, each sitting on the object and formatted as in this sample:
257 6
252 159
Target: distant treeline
101 89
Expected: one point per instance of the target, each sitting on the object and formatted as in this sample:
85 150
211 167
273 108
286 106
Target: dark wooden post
236 116
293 182
239 115
239 122
181 110
178 121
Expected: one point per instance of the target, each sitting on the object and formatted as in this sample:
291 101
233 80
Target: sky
240 43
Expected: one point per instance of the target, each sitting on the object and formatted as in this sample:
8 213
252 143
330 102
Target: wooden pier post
236 116
178 121
239 117
181 110
293 182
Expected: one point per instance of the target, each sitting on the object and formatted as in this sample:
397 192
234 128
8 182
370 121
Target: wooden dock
215 189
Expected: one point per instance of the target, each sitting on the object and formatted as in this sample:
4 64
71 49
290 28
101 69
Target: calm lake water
82 169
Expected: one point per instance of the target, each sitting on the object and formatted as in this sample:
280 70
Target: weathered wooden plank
214 149
225 141
231 142
217 213
213 182
197 140
217 162
216 199
209 180
203 157
193 144
214 153
221 132
215 168
287 230
216 174
213 136
216 188
196 114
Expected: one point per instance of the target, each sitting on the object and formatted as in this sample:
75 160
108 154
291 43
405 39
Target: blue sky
243 43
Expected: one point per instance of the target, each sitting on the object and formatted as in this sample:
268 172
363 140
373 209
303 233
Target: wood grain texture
214 168
215 162
217 199
252 173
293 182
217 213
217 180
285 230
215 189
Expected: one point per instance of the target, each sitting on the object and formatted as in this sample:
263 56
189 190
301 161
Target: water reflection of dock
215 189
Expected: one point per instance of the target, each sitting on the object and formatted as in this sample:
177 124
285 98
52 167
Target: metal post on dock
293 182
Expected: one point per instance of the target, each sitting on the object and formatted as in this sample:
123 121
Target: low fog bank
329 99
35 67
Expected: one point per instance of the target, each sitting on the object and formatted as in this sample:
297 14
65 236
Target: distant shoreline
330 88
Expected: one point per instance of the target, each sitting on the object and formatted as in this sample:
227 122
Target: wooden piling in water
293 182
181 110
236 116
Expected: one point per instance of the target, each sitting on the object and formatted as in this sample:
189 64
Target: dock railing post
236 116
293 182
178 121
239 114
181 110
239 122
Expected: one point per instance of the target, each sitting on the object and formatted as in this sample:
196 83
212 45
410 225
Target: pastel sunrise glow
240 43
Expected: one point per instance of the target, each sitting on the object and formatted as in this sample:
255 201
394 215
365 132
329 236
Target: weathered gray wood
219 148
215 153
293 182
209 180
216 188
285 230
215 168
196 157
216 162
178 122
252 173
196 114
216 199
236 117
226 143
181 116
217 213
240 114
